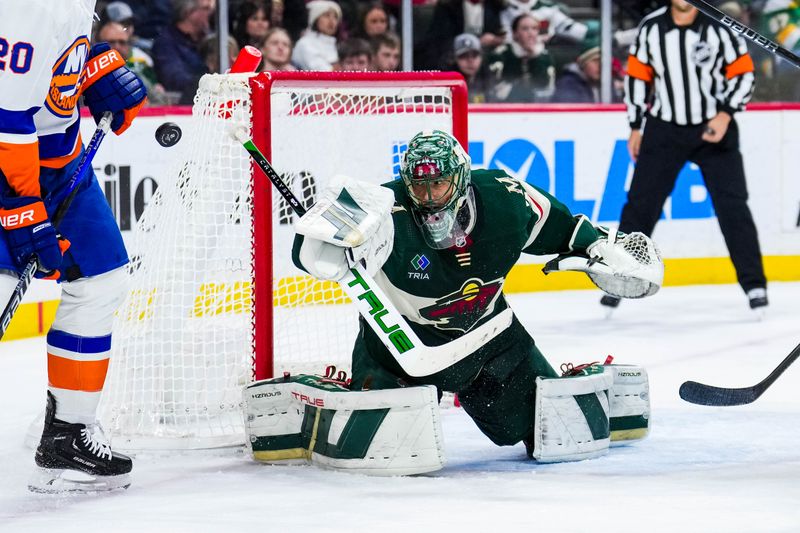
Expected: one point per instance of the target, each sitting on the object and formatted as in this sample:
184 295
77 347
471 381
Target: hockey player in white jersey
46 64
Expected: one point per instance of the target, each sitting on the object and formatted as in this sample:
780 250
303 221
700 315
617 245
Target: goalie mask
436 174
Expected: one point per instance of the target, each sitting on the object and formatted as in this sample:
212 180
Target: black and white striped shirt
686 74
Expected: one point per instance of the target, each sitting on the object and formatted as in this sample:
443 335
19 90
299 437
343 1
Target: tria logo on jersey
65 84
460 310
419 263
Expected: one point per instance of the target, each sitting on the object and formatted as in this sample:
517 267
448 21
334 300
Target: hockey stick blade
701 394
27 274
414 357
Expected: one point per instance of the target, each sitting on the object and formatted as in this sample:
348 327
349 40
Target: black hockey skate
758 301
757 298
76 458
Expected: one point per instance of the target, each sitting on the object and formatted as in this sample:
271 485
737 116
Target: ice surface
732 469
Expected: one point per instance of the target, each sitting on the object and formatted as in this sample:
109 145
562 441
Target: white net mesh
183 338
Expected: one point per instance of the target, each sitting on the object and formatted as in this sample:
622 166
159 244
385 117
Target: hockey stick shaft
745 31
702 394
27 274
80 172
416 358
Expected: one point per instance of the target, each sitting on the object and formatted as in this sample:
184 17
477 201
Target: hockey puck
168 134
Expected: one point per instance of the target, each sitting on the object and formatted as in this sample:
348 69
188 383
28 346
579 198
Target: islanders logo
65 84
462 309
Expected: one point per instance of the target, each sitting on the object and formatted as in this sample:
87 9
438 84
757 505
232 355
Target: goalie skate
76 458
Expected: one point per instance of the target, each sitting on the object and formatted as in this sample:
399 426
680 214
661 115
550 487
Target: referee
687 76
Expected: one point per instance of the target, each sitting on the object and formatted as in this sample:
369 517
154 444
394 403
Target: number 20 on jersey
15 57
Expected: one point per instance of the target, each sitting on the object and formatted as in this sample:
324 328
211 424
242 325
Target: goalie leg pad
572 417
630 403
306 419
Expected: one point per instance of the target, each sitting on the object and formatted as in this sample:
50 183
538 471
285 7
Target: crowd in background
508 50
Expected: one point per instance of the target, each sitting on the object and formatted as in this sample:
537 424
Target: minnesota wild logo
460 310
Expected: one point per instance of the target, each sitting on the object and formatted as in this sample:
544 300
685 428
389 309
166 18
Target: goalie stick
414 357
702 394
26 276
745 31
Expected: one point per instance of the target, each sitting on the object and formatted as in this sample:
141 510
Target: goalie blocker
311 419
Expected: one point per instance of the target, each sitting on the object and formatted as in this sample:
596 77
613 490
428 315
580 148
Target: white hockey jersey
43 48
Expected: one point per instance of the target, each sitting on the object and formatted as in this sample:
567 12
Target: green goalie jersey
445 293
448 292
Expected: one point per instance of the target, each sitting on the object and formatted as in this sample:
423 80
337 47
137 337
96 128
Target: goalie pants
664 150
496 385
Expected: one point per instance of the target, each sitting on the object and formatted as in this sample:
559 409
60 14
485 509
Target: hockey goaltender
465 229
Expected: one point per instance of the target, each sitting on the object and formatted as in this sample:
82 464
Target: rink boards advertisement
579 154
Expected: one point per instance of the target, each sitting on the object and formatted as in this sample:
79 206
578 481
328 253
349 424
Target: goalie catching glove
351 222
625 266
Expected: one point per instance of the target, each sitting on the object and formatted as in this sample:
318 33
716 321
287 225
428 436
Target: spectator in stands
468 56
176 52
135 59
563 35
123 14
154 16
209 49
277 50
290 15
355 55
779 20
579 82
522 69
552 19
385 52
454 17
251 23
316 49
373 20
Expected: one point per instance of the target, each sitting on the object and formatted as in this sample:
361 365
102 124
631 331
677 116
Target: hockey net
215 300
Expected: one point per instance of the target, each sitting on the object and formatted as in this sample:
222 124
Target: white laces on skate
94 438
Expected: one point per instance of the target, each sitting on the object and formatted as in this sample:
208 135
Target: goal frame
262 252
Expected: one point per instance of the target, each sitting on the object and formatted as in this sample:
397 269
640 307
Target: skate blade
58 481
759 313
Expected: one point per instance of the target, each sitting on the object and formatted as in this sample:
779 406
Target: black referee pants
664 150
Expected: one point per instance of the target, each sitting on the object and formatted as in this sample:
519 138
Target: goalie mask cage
214 299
